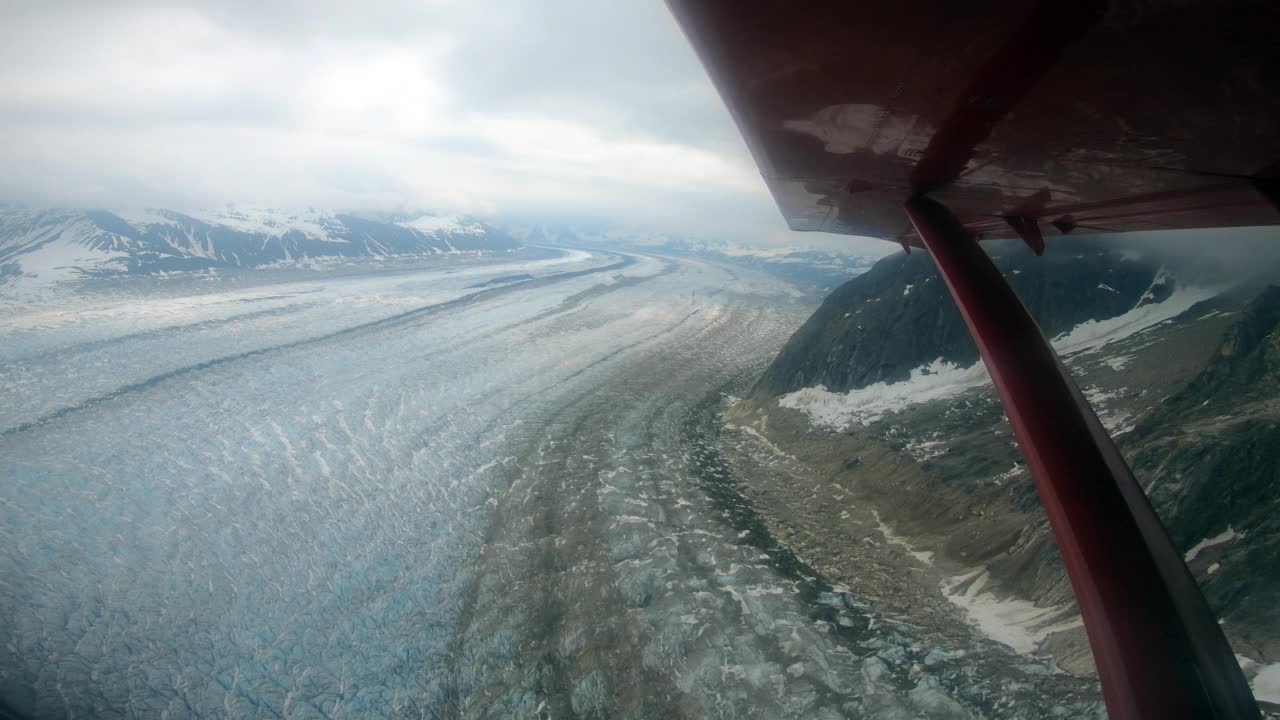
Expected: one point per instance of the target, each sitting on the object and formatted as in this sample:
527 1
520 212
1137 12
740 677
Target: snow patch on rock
1264 680
862 406
924 556
1020 624
1094 335
1223 537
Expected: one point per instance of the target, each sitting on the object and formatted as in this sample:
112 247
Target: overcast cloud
575 107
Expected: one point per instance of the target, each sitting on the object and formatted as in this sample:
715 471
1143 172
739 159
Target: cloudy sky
552 107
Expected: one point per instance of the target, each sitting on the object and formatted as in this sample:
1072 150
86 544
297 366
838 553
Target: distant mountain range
814 270
46 245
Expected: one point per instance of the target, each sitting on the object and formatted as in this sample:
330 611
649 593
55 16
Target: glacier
468 488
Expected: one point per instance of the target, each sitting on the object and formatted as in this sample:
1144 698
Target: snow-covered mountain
48 245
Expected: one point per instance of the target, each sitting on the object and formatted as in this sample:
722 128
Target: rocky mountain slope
881 394
45 245
898 316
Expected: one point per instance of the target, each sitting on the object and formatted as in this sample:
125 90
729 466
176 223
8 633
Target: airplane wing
1022 118
932 122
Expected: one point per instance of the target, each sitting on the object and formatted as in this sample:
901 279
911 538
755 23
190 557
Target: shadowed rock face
1246 366
899 315
1211 455
1193 402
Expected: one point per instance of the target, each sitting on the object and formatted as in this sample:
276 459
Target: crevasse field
496 488
275 500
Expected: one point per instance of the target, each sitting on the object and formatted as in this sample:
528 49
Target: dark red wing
1137 115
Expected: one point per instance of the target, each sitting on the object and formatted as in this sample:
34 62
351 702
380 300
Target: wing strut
1158 647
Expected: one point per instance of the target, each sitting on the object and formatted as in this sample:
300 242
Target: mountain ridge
865 332
60 243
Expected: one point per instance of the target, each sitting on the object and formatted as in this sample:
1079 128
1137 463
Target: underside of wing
1026 119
